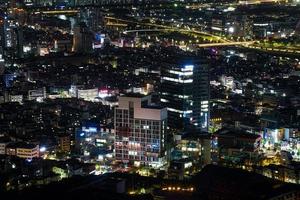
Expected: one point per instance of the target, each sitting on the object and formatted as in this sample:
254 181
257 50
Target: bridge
57 12
159 27
216 40
227 43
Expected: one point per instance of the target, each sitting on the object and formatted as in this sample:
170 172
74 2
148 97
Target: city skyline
144 99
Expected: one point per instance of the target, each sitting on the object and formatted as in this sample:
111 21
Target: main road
218 41
227 43
165 27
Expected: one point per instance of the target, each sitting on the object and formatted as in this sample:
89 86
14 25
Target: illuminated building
84 93
230 143
83 39
260 30
11 37
3 143
16 98
218 25
92 16
2 63
85 138
38 94
140 131
185 92
93 142
63 45
227 81
286 173
196 147
239 27
23 150
8 79
245 27
64 143
2 37
88 94
297 30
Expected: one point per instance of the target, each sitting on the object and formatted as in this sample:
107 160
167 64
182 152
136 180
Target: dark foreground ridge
213 182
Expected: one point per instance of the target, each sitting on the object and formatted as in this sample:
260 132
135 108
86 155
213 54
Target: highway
226 44
170 28
57 12
275 50
215 40
229 43
147 30
219 40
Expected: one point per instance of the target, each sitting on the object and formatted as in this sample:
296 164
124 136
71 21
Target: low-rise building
23 150
3 143
64 143
232 144
38 94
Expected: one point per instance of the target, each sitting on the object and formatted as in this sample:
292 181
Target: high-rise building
185 92
96 18
2 44
297 30
140 135
83 39
13 35
2 35
11 38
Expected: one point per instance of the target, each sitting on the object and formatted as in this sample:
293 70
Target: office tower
2 64
19 52
140 131
11 38
83 39
2 33
8 79
92 17
2 44
297 30
185 92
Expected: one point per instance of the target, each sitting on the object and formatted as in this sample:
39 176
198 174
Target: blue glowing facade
185 92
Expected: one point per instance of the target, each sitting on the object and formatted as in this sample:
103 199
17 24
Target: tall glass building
185 92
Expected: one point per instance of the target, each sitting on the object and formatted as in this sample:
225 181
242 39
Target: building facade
83 39
23 150
185 92
140 131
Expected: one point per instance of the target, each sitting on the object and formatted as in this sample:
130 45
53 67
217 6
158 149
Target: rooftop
236 133
134 95
21 145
